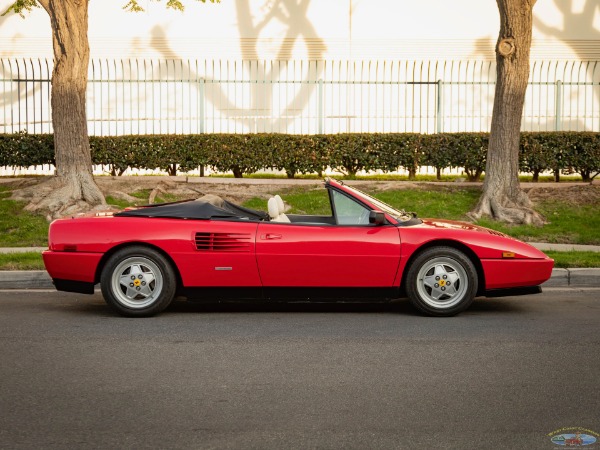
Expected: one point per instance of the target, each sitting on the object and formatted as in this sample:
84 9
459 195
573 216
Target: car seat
276 207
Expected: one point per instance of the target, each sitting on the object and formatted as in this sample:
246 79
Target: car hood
485 242
457 225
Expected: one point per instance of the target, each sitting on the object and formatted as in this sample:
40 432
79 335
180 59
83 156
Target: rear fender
116 248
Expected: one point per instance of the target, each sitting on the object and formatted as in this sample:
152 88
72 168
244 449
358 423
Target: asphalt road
505 374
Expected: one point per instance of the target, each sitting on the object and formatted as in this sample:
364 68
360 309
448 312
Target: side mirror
376 217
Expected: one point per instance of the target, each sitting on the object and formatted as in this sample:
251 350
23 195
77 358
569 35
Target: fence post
201 113
201 105
320 106
558 103
439 124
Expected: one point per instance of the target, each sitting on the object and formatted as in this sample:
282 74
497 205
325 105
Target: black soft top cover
196 209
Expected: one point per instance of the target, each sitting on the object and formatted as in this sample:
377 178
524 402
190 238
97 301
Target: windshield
400 215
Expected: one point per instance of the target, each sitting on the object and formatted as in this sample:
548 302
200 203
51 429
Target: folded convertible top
196 209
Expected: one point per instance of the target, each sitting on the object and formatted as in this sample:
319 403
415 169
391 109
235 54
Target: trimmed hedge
24 150
560 152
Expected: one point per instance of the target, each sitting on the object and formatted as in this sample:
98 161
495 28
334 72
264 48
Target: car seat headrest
273 208
280 204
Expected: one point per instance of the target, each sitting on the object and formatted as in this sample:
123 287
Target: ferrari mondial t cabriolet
212 249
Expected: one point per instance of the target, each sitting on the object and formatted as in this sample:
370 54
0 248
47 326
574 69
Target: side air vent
223 242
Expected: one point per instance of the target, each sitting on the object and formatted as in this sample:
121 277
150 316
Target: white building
311 30
305 66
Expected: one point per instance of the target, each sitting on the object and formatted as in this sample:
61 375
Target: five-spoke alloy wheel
138 281
441 281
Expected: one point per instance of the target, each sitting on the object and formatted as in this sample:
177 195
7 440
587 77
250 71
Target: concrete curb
25 279
574 278
39 279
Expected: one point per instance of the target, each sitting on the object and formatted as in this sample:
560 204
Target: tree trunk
473 176
73 189
237 172
586 175
412 173
502 197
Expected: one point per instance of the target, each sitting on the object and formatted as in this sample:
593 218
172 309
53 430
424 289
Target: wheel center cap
442 282
137 282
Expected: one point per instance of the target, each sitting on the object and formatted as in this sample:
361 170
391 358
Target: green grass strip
19 228
21 261
567 260
567 223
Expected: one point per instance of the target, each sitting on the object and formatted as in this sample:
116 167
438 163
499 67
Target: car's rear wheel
441 281
138 281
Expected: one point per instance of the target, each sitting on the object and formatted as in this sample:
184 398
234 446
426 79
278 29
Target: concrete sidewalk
22 249
544 246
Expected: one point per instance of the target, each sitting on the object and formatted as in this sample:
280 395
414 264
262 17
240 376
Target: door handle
270 236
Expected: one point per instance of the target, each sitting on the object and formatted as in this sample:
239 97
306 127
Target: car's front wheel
441 281
138 281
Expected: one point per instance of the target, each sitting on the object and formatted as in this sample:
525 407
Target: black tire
138 281
441 281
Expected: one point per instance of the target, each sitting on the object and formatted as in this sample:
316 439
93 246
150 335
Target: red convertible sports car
213 249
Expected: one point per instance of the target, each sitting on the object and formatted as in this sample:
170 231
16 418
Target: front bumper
516 273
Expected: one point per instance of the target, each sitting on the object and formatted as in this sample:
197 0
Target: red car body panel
263 254
77 266
327 256
502 273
